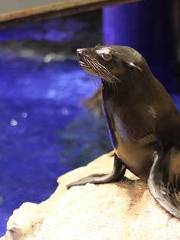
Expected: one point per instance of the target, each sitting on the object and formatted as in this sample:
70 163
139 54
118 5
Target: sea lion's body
143 122
138 121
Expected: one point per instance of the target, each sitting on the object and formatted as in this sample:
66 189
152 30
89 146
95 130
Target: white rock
119 211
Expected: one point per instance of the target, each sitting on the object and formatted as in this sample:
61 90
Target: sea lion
143 121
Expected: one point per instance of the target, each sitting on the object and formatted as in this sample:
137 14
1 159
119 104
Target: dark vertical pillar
148 27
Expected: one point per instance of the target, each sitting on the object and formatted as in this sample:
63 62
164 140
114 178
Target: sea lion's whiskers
103 69
97 68
107 74
97 65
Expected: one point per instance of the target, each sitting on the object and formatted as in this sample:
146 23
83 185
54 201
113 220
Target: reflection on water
45 130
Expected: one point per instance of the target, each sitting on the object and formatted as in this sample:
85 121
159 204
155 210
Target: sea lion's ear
132 65
164 180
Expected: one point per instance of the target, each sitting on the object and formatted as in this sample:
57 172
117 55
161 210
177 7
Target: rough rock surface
119 211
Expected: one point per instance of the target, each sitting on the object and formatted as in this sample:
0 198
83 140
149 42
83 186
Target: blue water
45 129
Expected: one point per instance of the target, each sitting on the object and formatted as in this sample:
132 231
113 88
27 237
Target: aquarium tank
48 124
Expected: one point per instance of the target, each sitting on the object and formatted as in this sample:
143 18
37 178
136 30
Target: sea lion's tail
164 180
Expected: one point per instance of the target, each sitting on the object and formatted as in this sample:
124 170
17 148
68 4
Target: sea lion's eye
106 56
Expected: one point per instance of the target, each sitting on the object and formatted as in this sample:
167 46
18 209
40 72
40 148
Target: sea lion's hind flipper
116 175
164 180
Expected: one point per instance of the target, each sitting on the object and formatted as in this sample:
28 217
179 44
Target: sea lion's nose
81 51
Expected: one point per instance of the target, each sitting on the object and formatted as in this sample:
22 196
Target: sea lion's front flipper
164 180
116 175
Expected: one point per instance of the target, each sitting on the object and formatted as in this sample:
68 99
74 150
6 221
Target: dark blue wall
148 27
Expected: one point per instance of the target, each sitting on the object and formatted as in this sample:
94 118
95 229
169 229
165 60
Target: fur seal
143 121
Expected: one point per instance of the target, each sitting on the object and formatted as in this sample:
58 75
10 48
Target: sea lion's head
110 63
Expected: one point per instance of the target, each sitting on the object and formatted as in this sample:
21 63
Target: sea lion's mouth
87 63
82 58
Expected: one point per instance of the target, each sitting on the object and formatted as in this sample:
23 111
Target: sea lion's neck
124 91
